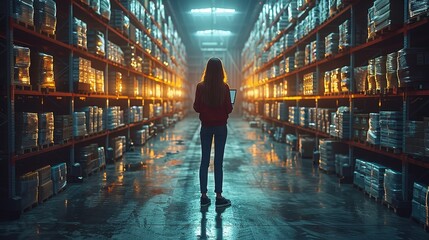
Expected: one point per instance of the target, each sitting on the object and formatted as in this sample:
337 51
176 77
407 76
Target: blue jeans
207 134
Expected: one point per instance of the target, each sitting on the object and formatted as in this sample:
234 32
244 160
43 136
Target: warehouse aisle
154 194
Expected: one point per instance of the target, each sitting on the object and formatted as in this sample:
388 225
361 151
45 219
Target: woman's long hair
214 78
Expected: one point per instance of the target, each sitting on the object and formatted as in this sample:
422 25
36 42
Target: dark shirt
212 116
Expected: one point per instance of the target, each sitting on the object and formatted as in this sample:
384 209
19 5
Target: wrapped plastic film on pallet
45 16
23 11
21 65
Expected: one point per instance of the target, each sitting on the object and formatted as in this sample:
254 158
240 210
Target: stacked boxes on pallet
46 128
79 124
304 118
360 127
417 7
23 11
26 130
373 135
328 148
387 13
415 138
27 189
380 73
420 203
413 67
391 70
119 146
360 78
331 44
359 174
134 114
374 180
63 127
391 128
59 177
101 157
311 86
79 36
342 165
45 185
345 79
112 117
120 21
46 70
294 115
96 43
21 66
344 35
393 187
89 159
306 146
343 126
81 72
45 15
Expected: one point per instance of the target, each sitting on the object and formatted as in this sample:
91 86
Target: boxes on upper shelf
96 43
23 11
79 33
21 65
45 15
415 138
417 7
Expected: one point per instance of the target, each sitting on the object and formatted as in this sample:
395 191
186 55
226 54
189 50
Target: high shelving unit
269 81
158 80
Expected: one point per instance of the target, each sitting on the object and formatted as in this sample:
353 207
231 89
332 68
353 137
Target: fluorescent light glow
213 32
218 11
213 49
209 43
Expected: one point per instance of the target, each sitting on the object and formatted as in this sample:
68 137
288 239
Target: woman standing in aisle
213 103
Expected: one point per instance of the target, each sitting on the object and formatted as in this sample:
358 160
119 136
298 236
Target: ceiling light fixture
214 49
214 32
217 11
209 43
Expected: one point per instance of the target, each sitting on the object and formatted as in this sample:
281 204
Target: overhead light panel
214 49
217 11
209 43
213 32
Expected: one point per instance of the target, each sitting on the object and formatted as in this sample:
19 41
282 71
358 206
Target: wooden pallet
23 87
26 25
49 35
47 145
28 150
47 89
418 18
375 198
391 150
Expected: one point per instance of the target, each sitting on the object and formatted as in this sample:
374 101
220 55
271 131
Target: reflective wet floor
154 194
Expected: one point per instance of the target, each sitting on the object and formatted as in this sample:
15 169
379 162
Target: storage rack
164 84
261 78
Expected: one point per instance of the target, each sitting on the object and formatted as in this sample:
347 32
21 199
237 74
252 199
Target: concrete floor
154 194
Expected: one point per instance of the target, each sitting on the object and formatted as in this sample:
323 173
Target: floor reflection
203 227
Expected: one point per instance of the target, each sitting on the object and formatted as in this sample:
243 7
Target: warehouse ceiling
213 25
